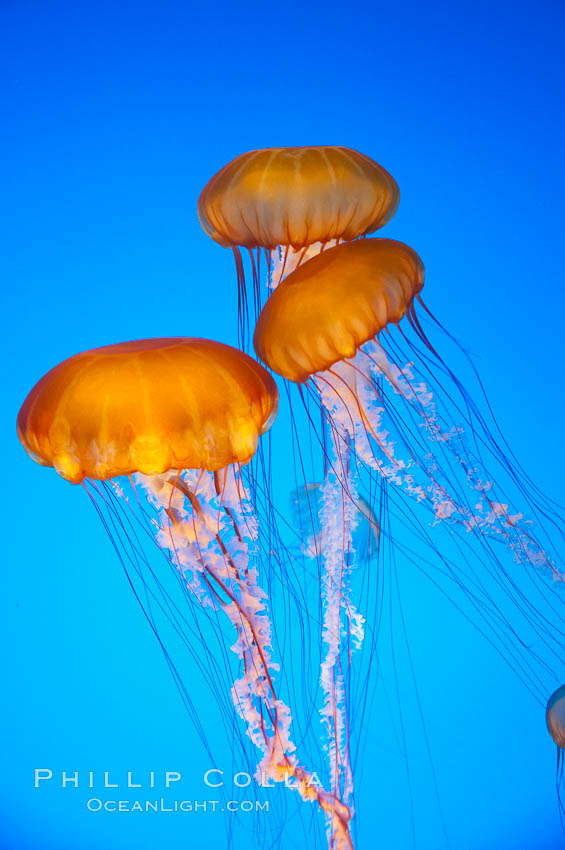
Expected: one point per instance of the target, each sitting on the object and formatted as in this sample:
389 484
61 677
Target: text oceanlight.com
95 804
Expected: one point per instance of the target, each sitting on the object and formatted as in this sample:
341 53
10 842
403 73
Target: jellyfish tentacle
338 518
220 560
422 477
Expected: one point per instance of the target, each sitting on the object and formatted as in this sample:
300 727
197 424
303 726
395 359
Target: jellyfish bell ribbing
326 309
296 196
148 406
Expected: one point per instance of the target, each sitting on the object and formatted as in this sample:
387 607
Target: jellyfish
344 329
555 716
306 503
555 720
290 203
165 428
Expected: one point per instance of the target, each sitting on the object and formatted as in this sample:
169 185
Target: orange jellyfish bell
555 716
148 406
296 196
329 307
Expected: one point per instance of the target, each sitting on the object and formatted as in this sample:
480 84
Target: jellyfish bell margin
329 307
295 197
178 419
146 407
